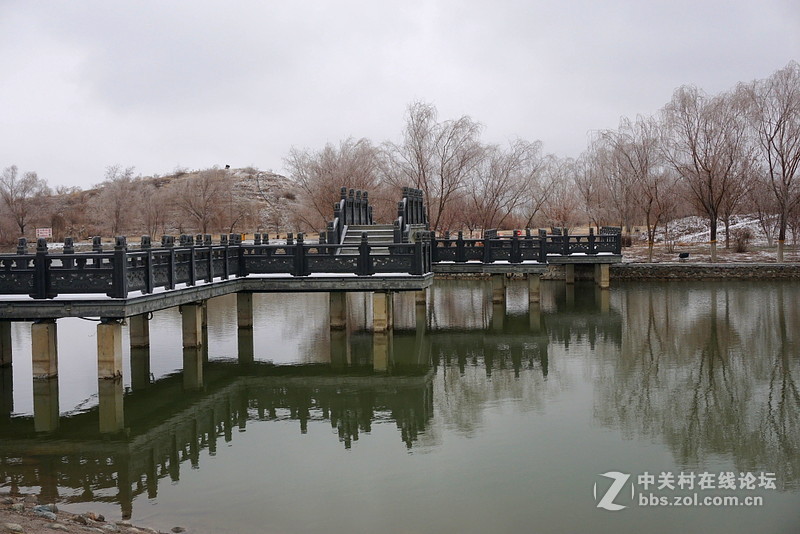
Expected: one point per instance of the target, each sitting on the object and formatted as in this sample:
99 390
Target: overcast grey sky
157 85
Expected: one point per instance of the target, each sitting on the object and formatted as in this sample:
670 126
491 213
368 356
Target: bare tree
774 112
19 194
198 197
707 146
113 204
320 175
438 158
562 206
590 188
502 183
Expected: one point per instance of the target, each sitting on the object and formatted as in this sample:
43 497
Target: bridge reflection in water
131 441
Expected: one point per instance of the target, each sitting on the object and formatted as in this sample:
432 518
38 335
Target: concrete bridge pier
338 310
44 348
244 319
192 324
111 412
139 330
382 311
603 299
5 344
498 288
45 404
341 349
602 275
569 273
139 336
534 288
109 348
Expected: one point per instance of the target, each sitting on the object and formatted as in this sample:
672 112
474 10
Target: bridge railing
353 208
410 214
517 248
118 272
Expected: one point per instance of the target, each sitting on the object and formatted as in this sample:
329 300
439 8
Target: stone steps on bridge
376 234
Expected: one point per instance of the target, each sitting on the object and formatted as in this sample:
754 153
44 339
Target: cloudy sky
158 85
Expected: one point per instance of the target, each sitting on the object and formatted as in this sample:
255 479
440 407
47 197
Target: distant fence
518 248
191 261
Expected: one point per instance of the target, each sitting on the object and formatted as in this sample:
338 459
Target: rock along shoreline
22 514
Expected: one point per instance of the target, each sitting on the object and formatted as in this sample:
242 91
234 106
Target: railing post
592 243
223 241
461 251
300 261
542 246
69 248
97 247
22 246
168 242
146 244
189 242
487 247
516 256
41 274
364 267
119 276
564 242
418 266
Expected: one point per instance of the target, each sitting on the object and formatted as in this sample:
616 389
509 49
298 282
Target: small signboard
44 232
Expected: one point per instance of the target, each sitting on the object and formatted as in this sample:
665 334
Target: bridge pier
5 343
45 404
109 349
111 412
44 348
338 310
139 330
498 288
602 275
534 288
569 273
192 325
244 309
421 297
382 311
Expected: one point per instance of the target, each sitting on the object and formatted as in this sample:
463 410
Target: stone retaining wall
705 271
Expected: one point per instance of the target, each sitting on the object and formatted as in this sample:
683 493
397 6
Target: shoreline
666 271
22 514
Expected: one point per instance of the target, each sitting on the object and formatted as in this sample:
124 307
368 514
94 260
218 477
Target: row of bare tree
208 201
714 155
718 156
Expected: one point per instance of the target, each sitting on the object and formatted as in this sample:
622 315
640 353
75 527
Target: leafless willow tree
642 182
562 208
319 175
503 183
437 157
19 194
773 108
708 147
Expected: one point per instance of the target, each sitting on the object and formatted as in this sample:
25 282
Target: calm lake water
475 418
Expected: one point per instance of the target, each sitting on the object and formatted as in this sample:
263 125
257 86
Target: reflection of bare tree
710 372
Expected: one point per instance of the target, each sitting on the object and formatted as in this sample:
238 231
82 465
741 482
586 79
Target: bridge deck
25 308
